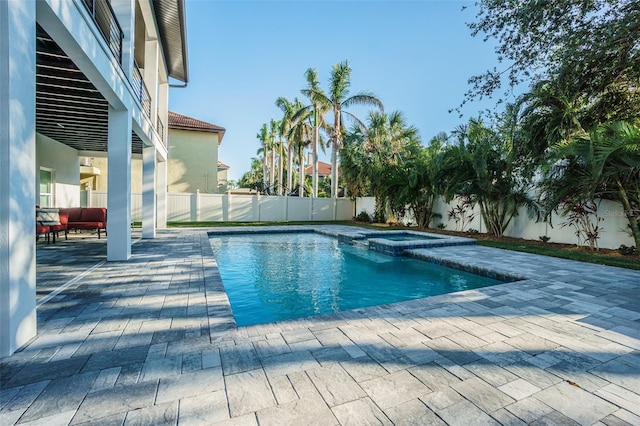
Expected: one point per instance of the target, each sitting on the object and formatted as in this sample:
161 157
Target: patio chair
294 192
42 230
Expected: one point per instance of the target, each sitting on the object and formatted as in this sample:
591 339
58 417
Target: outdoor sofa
86 218
53 220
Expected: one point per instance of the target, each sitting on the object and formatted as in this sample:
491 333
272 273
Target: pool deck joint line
153 341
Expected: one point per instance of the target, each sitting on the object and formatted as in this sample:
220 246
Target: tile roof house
324 170
222 177
179 121
193 156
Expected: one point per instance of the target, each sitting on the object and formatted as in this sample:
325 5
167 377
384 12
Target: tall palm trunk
265 166
289 167
280 168
301 178
335 148
272 175
316 136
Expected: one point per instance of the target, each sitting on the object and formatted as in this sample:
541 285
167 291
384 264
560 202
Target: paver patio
152 341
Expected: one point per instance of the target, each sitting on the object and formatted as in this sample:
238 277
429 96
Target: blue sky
415 56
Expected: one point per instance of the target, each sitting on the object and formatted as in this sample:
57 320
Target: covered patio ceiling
69 108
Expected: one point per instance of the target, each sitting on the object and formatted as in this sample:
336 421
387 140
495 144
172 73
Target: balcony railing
160 128
141 91
106 21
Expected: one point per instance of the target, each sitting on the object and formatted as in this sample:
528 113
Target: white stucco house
80 78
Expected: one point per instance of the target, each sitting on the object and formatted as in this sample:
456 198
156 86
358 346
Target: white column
161 195
17 174
163 110
151 75
125 13
149 192
119 185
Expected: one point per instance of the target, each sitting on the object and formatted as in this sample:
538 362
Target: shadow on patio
152 341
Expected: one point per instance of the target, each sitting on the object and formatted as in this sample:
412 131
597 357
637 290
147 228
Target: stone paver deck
152 341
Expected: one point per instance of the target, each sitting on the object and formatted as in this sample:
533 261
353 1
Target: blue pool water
272 277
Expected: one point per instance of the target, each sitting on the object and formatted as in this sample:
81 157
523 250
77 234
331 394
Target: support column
149 192
163 110
119 185
161 195
125 13
17 174
151 76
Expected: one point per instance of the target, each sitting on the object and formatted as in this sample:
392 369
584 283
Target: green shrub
379 217
627 250
544 238
363 217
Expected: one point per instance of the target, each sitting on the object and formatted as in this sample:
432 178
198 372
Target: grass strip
621 262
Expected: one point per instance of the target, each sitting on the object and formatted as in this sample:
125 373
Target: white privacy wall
613 225
238 208
256 208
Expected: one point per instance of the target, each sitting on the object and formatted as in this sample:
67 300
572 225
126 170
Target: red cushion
73 213
40 229
93 214
63 214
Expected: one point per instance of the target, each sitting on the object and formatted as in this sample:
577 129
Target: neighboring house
193 155
191 166
80 79
324 170
222 177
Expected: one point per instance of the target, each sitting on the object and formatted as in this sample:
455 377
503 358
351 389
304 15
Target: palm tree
386 140
288 108
354 160
277 147
265 144
300 133
273 130
605 163
317 107
412 181
254 175
339 100
551 114
484 168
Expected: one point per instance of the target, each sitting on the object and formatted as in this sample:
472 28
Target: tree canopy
589 48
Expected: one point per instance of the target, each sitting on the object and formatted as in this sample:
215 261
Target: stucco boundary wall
614 223
200 207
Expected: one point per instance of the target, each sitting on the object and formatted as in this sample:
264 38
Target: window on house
46 188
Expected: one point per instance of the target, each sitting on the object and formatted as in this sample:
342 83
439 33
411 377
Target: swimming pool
273 277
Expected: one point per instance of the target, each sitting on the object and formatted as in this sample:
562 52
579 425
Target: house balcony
106 21
69 107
